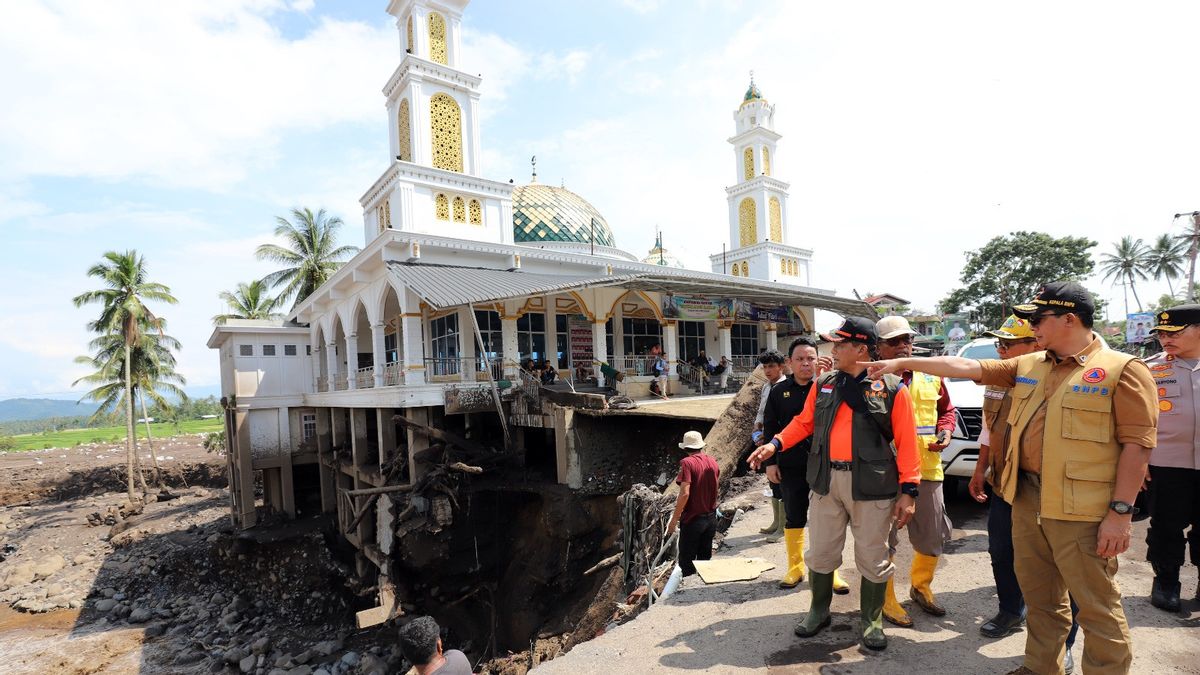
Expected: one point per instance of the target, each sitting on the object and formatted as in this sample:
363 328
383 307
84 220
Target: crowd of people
1073 432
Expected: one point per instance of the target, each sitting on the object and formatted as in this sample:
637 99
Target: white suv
958 458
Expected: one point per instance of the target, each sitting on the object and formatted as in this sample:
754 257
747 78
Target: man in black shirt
788 469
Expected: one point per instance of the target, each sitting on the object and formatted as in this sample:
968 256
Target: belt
840 466
1034 479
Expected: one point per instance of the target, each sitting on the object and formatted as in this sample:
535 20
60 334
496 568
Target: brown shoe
1022 671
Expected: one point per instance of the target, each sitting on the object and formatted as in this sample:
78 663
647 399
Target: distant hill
41 408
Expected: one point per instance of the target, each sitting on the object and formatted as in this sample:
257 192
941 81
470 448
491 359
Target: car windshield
983 350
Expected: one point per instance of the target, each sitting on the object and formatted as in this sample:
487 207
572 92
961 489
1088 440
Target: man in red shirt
696 505
863 457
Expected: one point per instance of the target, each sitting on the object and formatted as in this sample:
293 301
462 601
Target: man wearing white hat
929 529
696 505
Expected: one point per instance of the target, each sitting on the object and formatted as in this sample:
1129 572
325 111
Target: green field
72 437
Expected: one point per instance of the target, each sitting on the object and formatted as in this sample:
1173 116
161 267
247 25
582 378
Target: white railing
634 365
393 374
364 378
467 368
744 363
322 383
340 383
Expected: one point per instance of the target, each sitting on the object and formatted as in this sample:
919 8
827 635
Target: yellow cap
1014 328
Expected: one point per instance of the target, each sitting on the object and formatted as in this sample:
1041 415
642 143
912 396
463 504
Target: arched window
766 161
737 270
783 266
745 269
747 222
404 131
437 38
460 210
383 214
476 212
445 118
441 207
776 219
748 163
410 45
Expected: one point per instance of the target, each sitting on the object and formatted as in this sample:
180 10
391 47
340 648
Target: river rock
140 615
327 647
19 575
247 664
351 659
105 605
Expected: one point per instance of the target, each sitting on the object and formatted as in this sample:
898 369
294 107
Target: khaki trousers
870 522
1051 558
930 527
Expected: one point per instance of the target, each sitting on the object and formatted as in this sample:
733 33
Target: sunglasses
1005 345
898 340
1038 318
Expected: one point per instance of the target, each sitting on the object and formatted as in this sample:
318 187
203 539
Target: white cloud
178 93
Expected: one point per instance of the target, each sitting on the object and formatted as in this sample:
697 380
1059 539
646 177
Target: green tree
1126 264
311 253
123 312
1009 270
249 301
1165 259
1192 237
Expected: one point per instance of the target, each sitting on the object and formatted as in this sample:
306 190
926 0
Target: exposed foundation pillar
416 441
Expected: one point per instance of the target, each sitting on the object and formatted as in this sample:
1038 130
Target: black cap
854 329
1177 318
1061 297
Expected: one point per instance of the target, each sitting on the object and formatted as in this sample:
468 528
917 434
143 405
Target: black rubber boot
1165 594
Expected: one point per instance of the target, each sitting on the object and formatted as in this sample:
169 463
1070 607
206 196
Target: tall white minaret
758 223
434 184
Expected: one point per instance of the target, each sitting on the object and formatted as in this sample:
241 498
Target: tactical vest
1080 450
874 475
925 390
996 404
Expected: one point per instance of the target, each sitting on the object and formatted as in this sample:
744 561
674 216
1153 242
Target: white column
352 361
508 344
379 358
467 349
599 348
551 333
315 356
331 365
671 349
724 341
771 335
412 348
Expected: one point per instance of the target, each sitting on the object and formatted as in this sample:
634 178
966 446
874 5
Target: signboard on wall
579 342
748 311
688 308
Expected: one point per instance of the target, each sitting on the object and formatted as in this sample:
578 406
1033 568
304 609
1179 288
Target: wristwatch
909 489
1123 508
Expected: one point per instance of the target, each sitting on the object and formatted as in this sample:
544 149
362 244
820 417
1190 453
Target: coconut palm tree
1192 238
152 368
1165 259
249 301
1126 264
311 253
124 290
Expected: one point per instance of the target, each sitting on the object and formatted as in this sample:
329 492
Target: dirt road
746 627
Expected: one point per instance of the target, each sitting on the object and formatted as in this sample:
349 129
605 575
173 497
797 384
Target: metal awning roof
445 286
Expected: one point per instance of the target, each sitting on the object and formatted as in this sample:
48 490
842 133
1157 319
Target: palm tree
249 301
1165 259
311 253
152 368
1127 263
1192 239
123 312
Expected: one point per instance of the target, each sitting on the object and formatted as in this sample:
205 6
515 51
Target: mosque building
462 280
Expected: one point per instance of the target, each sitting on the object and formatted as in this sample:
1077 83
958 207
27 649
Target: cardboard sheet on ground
731 569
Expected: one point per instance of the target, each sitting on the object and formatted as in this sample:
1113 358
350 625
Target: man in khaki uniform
1081 426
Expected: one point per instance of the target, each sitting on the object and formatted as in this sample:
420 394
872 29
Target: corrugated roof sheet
445 286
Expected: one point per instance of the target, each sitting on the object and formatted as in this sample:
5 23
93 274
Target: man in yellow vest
929 529
1082 424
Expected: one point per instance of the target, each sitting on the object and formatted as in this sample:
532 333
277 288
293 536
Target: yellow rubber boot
794 538
892 611
923 567
839 585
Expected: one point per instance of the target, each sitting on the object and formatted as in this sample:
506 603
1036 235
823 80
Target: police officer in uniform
1081 427
863 470
1175 463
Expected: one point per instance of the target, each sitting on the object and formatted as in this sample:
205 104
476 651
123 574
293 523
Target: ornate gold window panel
383 214
446 121
404 130
766 160
748 163
783 266
745 269
437 38
737 270
747 222
441 207
460 210
776 219
410 45
476 212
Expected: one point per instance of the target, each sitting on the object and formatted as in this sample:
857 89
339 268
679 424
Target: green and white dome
544 213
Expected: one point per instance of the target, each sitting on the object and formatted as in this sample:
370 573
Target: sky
912 133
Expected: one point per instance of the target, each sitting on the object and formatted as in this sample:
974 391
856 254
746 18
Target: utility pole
1193 237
